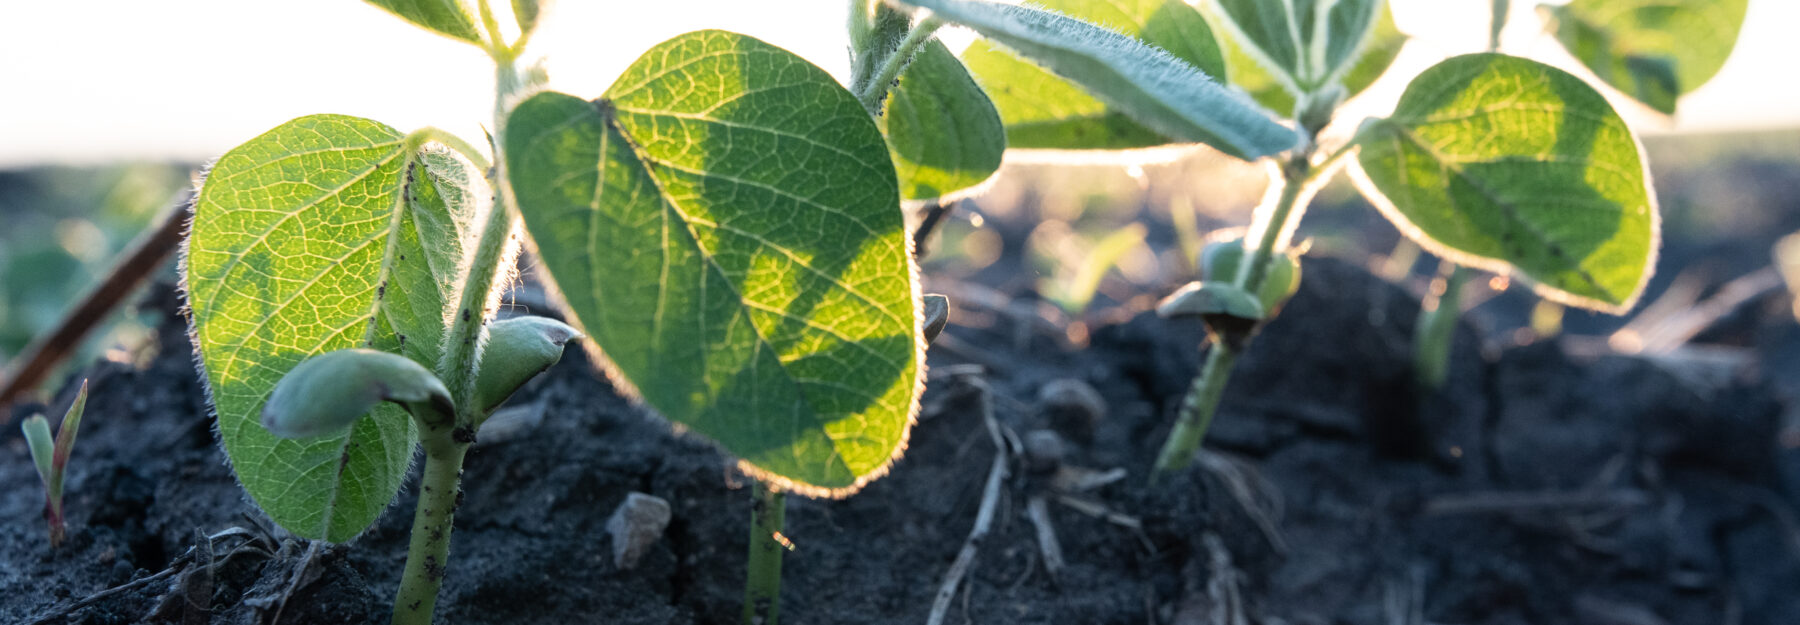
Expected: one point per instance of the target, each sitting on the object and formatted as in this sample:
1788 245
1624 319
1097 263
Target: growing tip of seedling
52 458
328 392
517 350
937 315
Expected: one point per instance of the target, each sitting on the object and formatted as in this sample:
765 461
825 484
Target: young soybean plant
1492 161
724 224
51 455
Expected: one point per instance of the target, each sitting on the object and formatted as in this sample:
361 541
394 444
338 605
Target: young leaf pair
51 457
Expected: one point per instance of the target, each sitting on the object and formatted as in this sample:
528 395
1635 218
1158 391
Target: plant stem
1437 320
762 583
1497 23
1197 409
875 90
428 553
1202 399
1294 178
440 483
460 365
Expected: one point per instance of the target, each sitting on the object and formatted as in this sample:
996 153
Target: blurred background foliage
63 225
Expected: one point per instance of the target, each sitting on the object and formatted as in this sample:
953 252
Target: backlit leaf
725 225
1653 50
1507 164
1154 88
1044 111
451 18
943 133
1306 43
304 242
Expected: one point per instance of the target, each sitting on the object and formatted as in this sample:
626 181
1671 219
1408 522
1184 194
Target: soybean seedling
1491 161
52 459
723 225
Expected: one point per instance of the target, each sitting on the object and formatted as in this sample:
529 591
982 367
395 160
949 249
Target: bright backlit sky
91 81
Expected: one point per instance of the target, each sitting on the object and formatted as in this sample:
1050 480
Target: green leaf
1307 44
1378 53
1164 93
305 241
1043 111
725 225
943 133
1383 45
450 18
1503 163
1653 50
42 446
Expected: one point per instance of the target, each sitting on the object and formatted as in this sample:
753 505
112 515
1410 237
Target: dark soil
1536 489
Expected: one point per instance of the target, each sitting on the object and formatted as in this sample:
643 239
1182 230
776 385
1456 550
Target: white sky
91 81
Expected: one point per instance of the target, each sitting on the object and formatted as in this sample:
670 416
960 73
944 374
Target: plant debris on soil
1536 488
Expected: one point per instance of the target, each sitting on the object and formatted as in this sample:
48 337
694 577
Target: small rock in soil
1073 407
1043 451
636 525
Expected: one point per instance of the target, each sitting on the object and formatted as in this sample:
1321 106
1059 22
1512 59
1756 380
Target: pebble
635 526
1072 407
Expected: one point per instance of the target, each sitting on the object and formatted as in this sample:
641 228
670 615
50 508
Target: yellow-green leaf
943 133
307 240
1653 50
1510 165
450 18
725 225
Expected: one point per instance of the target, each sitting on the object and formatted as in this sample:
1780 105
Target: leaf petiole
450 140
875 91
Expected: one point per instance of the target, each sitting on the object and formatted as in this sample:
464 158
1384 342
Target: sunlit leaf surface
1653 50
307 240
943 133
725 225
1503 163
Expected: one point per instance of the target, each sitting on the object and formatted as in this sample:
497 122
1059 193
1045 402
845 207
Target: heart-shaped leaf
1163 93
1043 111
450 18
1653 50
943 133
725 225
1507 164
307 240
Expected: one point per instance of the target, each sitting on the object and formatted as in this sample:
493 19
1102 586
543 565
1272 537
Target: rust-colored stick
134 265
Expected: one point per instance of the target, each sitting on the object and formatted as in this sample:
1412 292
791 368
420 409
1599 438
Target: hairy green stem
762 583
1432 335
1197 409
428 553
1294 178
445 444
873 92
460 361
1202 399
